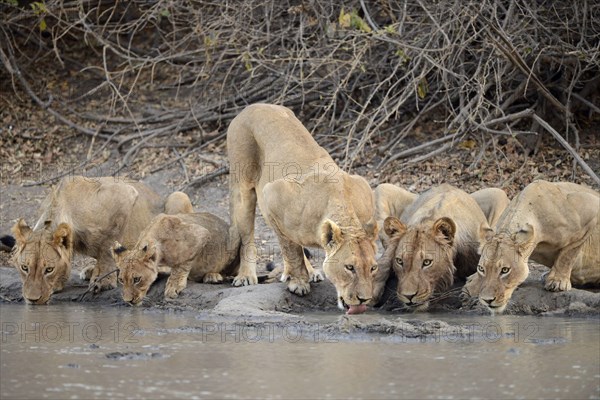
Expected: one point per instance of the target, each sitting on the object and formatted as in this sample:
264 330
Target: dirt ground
264 300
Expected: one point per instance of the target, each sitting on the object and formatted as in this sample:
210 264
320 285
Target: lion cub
195 246
555 224
84 215
435 239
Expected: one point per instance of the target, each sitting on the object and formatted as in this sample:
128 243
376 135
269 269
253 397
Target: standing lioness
194 245
305 198
555 224
84 215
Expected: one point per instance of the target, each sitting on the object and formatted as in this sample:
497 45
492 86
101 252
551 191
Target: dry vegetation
475 93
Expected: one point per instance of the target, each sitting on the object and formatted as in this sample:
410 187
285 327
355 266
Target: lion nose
410 297
488 301
361 300
33 299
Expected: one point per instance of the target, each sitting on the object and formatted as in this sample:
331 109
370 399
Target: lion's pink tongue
359 309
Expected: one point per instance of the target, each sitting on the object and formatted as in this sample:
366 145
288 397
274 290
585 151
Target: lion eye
24 268
480 269
49 270
374 268
349 267
120 280
399 262
427 263
505 270
136 280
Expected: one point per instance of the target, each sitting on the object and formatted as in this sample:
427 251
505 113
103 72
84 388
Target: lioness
555 224
392 200
84 215
306 199
193 245
435 239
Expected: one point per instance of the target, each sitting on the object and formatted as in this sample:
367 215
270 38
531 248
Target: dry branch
361 75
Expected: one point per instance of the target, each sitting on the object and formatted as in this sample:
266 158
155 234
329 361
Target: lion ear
392 226
150 251
21 231
446 228
331 234
485 232
371 229
63 236
524 238
117 251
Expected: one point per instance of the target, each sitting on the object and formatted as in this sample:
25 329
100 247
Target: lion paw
107 283
299 287
86 273
557 284
245 280
316 276
212 277
172 292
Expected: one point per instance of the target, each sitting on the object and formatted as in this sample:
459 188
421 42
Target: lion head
43 257
350 263
423 258
138 269
502 267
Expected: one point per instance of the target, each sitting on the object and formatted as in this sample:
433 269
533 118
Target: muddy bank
273 301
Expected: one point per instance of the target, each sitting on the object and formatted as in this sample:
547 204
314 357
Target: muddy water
70 351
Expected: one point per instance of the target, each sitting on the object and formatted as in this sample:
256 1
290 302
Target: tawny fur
493 202
83 215
434 241
555 224
390 200
196 246
305 198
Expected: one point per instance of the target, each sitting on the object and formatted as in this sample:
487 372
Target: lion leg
559 278
295 268
177 281
384 268
212 277
471 290
62 279
243 209
101 279
314 275
86 273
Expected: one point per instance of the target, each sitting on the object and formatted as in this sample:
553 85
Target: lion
306 199
555 224
194 245
83 215
492 201
392 200
434 241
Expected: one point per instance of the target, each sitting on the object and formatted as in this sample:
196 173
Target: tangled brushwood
360 74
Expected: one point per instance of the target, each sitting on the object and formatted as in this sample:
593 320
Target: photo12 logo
54 332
